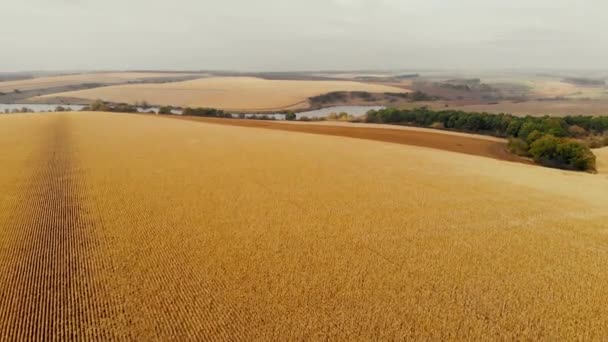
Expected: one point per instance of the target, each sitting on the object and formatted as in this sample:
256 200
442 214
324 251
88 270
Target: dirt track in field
467 144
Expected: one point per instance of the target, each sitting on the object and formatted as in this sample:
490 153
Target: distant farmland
229 93
135 227
597 107
78 79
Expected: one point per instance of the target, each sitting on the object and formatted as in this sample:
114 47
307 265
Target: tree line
560 142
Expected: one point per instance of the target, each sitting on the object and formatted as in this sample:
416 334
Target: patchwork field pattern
132 227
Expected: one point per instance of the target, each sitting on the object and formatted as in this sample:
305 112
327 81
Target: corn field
130 227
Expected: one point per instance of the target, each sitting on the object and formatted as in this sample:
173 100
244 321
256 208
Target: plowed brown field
133 227
472 144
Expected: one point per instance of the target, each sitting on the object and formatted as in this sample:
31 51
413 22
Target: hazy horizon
273 35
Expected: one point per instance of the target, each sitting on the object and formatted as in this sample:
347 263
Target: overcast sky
302 34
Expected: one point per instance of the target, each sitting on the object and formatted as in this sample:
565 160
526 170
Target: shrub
98 106
544 148
343 116
290 116
123 108
519 147
577 131
562 153
165 110
576 155
533 136
208 112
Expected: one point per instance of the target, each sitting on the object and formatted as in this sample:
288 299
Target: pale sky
302 34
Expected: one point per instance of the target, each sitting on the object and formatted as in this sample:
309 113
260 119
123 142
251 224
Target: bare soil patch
461 143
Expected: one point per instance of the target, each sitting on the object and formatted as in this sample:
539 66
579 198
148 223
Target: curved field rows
143 228
49 261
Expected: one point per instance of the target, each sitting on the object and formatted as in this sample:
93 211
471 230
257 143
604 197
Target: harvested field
477 145
135 227
78 79
228 93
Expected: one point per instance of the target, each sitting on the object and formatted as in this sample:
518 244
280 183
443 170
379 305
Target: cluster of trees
503 125
63 109
414 96
18 110
332 97
218 113
100 106
585 81
262 117
561 153
143 104
549 140
206 112
344 96
314 118
290 116
165 110
343 116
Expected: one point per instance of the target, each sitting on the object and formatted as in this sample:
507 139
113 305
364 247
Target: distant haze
276 35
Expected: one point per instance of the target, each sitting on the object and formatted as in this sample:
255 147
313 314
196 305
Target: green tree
544 148
562 153
165 110
575 155
98 106
290 116
533 136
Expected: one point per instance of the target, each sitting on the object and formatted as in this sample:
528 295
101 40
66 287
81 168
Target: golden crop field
133 227
229 93
77 79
